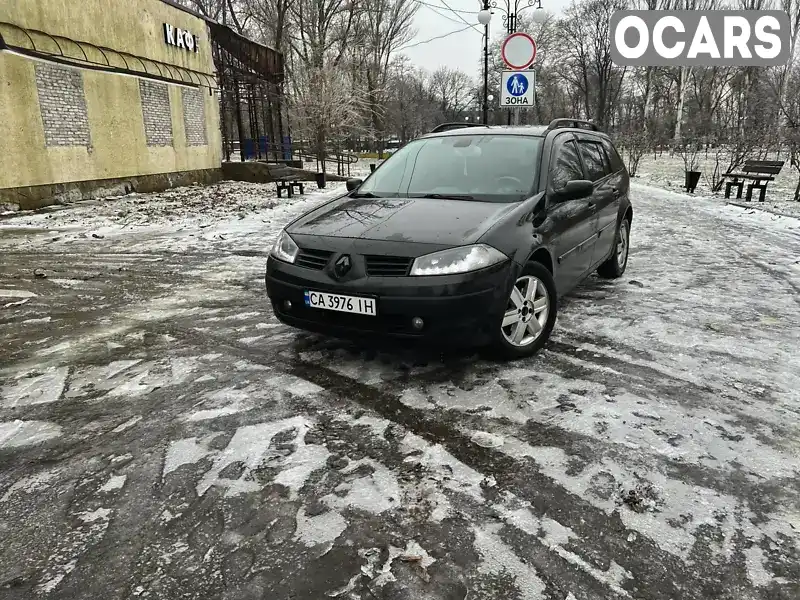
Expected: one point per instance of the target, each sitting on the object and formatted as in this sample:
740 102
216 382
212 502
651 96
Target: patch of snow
295 385
224 402
250 447
30 484
121 458
10 293
374 493
40 320
486 439
39 389
319 529
414 398
299 465
756 571
127 424
499 559
183 452
115 482
453 474
15 434
94 515
377 425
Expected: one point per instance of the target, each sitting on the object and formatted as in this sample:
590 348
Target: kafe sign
180 38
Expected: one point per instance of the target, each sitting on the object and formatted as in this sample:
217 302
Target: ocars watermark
700 37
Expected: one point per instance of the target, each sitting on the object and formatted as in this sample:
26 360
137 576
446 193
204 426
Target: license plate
348 304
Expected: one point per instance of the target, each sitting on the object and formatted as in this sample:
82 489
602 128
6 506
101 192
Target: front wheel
615 265
530 313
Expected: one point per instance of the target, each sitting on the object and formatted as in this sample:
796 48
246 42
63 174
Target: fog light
417 323
287 305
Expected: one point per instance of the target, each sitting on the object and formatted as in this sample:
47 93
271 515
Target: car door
619 182
572 220
605 196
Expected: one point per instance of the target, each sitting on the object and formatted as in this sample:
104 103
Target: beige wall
113 102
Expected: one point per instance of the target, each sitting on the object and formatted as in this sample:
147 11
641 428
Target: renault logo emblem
342 266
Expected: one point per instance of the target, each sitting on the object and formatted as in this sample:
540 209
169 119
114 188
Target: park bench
759 172
288 184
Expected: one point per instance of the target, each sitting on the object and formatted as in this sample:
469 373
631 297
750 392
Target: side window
613 156
606 160
592 154
566 164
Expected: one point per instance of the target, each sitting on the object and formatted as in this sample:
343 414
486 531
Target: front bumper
456 309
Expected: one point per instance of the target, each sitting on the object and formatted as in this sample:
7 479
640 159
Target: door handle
616 193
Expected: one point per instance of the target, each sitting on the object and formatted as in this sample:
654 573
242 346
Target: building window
63 106
194 117
156 113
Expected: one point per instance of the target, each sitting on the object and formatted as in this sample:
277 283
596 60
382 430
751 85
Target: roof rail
449 126
574 123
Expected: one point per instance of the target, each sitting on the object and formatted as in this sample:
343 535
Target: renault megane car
467 235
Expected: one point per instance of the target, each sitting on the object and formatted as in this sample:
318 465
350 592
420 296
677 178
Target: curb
752 205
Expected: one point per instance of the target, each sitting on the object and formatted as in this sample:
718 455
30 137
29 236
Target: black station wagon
469 234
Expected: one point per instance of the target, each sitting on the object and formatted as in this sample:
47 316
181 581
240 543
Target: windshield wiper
364 195
447 196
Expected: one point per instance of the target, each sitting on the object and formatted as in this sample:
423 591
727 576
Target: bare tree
386 25
586 52
453 90
324 109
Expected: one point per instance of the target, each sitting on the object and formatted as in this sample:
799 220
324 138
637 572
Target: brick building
97 100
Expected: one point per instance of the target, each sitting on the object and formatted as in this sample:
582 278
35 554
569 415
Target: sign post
517 82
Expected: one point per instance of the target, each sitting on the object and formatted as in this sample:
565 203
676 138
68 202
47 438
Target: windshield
488 168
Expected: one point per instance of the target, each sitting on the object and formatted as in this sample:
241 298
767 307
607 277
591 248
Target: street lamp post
484 16
512 8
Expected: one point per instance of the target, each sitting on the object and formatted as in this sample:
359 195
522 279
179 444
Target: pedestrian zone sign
516 89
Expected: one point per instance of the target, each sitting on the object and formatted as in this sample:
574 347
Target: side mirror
575 190
353 183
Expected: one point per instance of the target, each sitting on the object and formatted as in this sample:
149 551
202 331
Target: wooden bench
759 172
288 184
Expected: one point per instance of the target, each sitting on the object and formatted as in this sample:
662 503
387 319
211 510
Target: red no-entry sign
518 51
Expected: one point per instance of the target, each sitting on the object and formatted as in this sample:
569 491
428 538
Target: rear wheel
615 265
530 313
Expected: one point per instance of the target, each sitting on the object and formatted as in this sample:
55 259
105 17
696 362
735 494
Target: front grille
313 259
387 266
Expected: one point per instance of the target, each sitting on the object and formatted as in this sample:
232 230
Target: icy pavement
163 436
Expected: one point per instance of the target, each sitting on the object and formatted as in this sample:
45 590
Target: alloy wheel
622 244
527 311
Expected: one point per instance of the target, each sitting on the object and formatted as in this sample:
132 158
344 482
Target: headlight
457 260
285 249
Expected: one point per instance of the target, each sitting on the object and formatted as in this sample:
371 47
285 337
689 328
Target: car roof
528 130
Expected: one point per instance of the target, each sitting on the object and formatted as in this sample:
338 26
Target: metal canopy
64 50
244 58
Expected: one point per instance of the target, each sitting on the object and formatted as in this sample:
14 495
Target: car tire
616 264
530 314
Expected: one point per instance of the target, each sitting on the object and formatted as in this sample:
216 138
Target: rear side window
566 164
593 158
613 156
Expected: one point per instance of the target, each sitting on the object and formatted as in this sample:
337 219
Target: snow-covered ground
665 171
163 436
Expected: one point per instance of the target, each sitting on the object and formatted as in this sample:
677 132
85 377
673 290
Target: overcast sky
460 50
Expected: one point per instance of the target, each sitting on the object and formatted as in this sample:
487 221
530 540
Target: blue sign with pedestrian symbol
517 85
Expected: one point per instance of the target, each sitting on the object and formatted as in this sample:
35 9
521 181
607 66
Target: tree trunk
648 98
682 86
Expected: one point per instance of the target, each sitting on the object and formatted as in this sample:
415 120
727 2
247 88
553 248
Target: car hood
421 220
